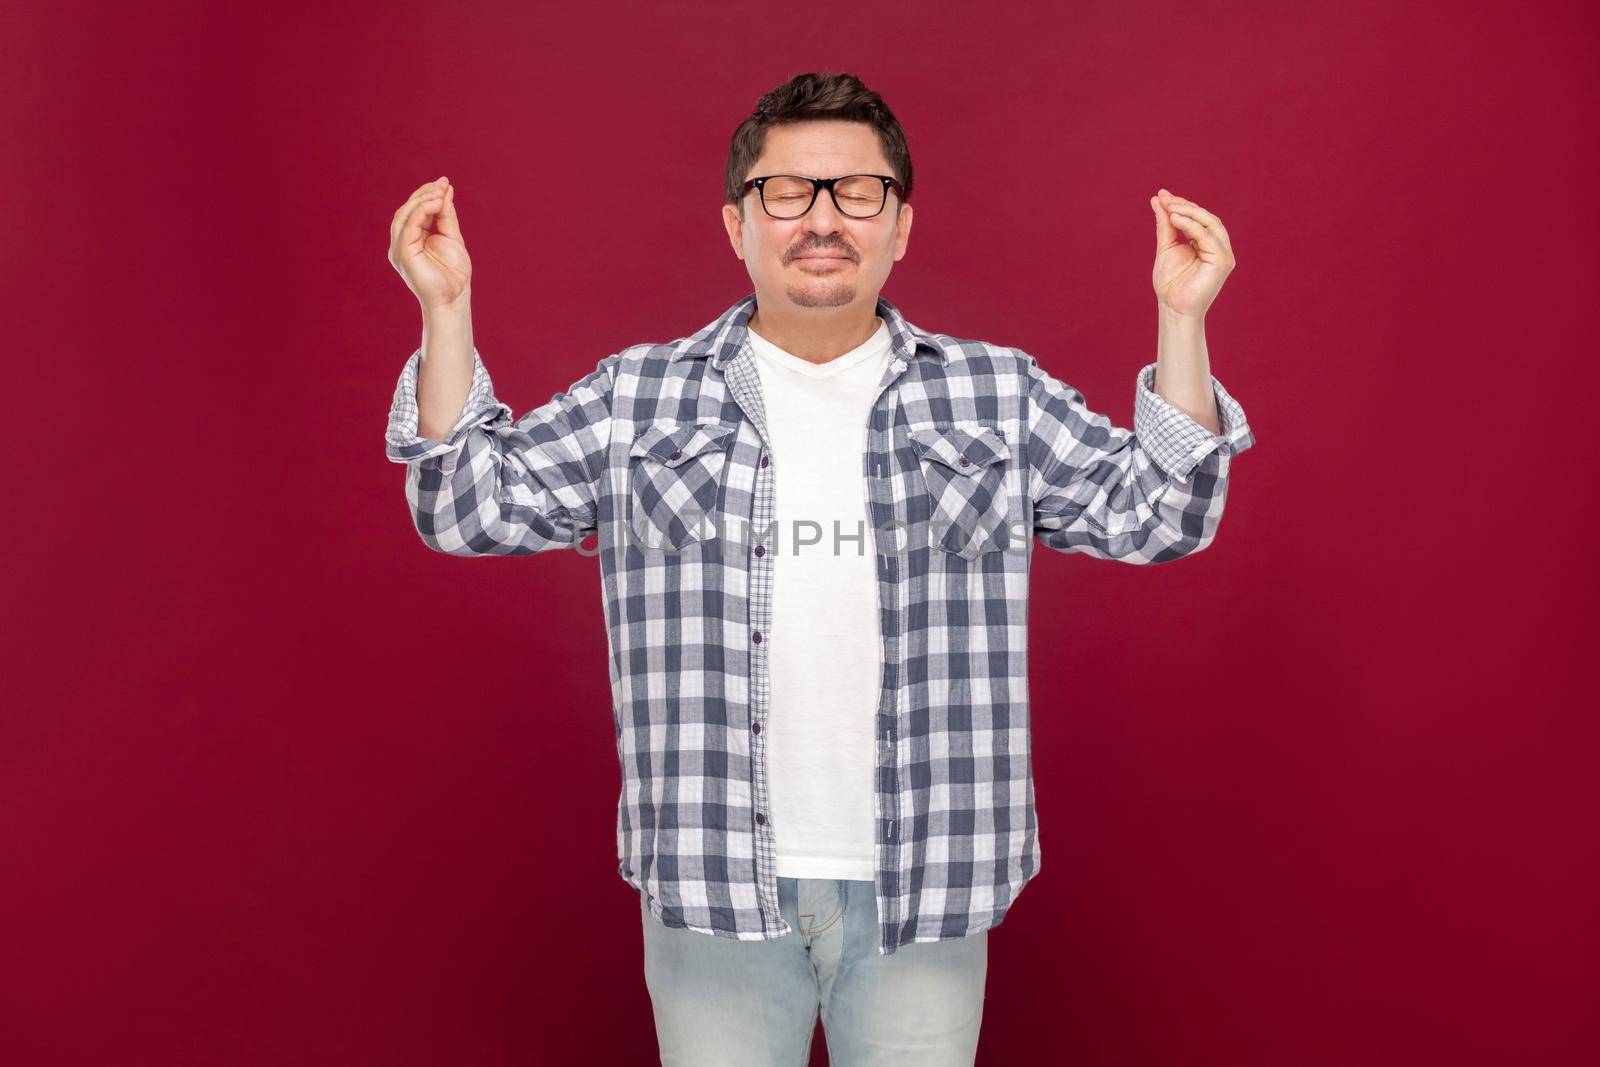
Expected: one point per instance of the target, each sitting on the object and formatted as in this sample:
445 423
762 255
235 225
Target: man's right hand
425 246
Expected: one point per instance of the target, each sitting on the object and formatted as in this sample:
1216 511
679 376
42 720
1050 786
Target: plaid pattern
965 473
974 455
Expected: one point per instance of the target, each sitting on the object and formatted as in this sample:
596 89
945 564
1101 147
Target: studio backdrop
280 785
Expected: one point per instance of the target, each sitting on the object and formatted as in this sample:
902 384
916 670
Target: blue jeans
755 1003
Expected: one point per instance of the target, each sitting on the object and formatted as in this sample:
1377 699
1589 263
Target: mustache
832 250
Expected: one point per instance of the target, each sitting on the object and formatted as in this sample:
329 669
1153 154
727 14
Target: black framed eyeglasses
859 196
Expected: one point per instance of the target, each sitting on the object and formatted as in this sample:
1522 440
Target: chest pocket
965 470
675 478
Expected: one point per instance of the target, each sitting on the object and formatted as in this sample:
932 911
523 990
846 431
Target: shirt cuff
481 408
1176 442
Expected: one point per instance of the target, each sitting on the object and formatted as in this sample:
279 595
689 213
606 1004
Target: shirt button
755 728
761 550
761 819
756 637
763 461
675 455
965 462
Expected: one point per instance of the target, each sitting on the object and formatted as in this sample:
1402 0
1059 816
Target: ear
902 231
735 227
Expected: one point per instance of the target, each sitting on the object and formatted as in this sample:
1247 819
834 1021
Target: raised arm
483 484
1149 495
1154 494
498 487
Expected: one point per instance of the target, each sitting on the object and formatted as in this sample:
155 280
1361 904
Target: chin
827 294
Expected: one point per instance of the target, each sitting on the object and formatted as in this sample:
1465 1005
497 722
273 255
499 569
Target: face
782 254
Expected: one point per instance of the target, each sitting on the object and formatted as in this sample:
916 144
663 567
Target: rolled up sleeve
1148 495
1176 441
403 443
502 486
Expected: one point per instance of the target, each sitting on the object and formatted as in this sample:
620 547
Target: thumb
447 224
1166 233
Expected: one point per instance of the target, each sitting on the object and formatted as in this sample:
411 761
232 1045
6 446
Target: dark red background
280 786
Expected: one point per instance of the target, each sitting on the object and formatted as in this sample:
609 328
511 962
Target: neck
817 335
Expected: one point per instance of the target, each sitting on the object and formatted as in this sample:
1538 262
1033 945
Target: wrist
1168 317
459 308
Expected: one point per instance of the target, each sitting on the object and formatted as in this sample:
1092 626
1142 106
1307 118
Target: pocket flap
673 444
963 451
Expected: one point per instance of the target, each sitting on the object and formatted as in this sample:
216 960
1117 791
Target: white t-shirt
826 651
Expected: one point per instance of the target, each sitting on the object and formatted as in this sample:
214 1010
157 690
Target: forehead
821 149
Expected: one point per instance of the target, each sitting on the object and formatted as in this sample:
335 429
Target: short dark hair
813 97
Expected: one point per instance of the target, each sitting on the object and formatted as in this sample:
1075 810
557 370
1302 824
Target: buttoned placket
744 384
885 524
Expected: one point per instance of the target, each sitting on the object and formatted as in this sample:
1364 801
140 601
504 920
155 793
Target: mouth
821 259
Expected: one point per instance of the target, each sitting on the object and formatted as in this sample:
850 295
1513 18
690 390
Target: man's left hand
1188 276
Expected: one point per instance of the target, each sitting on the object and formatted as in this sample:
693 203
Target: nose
822 228
823 216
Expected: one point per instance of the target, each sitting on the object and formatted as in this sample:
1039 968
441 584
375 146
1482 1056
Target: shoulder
972 357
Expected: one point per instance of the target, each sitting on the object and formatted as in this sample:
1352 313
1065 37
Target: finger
1206 245
1195 211
448 225
1166 235
1213 226
415 225
1212 223
407 228
404 210
412 226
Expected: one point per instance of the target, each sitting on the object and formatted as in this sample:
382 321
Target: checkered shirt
974 454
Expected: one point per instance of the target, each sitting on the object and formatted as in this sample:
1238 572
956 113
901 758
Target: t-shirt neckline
874 345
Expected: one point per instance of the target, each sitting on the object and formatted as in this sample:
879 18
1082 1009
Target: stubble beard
821 294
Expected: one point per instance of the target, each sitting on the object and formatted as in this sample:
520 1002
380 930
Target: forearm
444 376
1183 368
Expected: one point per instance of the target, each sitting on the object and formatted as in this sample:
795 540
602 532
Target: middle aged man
815 522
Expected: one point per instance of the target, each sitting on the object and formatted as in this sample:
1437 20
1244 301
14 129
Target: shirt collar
722 338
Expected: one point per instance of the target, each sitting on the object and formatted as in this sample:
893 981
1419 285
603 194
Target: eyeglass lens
860 195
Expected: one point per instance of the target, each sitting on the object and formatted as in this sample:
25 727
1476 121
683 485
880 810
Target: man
814 522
